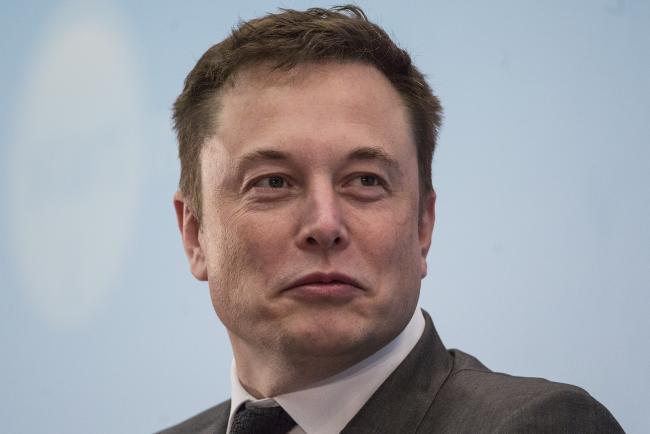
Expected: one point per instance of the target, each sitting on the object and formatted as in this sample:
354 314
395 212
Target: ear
425 230
189 226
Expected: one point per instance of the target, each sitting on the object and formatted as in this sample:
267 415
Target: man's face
310 237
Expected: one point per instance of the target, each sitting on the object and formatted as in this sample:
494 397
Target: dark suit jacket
438 391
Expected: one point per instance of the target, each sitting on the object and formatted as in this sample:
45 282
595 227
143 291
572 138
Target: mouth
334 286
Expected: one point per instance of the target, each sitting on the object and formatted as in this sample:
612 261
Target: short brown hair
283 40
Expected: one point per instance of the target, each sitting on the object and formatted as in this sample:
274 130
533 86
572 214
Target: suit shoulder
471 379
214 419
487 401
564 410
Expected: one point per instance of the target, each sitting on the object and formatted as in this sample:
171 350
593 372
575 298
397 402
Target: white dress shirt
327 406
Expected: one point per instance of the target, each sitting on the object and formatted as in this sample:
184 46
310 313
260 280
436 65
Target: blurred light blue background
541 252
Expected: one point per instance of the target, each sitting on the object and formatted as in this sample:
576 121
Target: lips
325 285
325 278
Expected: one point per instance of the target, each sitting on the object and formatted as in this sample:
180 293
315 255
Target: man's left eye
369 180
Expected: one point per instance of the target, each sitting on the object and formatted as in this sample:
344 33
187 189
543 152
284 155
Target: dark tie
261 420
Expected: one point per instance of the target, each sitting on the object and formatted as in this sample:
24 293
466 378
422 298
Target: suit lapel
401 402
220 424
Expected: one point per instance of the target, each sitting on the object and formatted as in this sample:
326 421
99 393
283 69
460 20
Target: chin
331 339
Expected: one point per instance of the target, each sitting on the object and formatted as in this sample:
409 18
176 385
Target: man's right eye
274 181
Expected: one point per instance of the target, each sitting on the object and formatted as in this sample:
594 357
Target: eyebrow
372 153
366 153
261 155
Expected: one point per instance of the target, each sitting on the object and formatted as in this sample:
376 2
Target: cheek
226 258
389 239
401 252
243 251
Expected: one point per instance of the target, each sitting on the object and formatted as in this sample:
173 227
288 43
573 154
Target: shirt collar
328 406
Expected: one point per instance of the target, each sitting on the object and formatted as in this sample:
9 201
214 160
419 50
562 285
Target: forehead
309 109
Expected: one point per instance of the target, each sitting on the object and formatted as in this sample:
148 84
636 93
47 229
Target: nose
323 225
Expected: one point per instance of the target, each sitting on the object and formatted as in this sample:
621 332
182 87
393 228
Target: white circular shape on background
73 165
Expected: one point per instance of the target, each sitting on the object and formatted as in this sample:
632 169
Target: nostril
324 242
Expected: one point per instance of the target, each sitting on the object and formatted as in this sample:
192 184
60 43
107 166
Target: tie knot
261 420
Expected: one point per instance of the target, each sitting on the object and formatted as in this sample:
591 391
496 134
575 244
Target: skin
310 170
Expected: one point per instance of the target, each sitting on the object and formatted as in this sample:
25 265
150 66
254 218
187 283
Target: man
306 202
